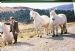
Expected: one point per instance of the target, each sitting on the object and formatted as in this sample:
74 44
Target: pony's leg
5 43
50 29
53 31
61 29
43 31
64 27
36 31
2 44
10 42
56 30
47 30
40 33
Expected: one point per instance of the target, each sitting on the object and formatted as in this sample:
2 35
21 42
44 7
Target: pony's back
45 18
63 17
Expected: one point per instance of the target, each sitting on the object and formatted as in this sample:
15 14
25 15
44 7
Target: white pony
58 20
39 21
7 36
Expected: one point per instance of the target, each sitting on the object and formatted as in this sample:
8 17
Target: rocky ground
66 42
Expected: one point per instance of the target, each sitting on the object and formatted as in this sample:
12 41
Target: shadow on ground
54 38
61 37
22 43
71 35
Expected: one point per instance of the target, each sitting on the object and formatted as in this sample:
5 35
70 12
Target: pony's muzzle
53 19
0 36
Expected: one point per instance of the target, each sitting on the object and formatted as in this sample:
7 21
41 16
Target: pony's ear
31 9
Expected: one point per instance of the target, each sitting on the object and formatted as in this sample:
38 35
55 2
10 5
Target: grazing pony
39 21
58 20
6 36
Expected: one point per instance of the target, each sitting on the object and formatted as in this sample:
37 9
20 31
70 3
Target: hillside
22 13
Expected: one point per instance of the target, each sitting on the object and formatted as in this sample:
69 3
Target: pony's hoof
61 33
65 33
57 35
47 34
40 36
5 44
9 43
37 36
53 35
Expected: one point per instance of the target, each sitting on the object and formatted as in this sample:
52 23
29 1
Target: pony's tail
65 28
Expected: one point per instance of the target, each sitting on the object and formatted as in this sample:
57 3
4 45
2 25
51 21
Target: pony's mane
53 13
35 13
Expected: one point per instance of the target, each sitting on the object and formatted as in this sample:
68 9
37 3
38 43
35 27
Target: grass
27 30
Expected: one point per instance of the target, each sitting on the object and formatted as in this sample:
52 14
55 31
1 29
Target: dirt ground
65 42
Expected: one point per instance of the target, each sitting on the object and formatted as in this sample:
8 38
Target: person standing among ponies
13 28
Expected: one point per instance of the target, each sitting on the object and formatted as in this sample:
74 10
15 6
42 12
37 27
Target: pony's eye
53 19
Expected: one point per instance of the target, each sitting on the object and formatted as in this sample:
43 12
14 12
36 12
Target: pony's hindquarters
62 18
47 28
7 35
64 21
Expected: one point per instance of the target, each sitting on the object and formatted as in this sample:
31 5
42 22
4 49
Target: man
13 28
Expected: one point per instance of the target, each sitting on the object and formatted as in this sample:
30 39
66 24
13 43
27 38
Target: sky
37 5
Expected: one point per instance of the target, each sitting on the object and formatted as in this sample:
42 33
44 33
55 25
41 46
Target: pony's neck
54 15
37 15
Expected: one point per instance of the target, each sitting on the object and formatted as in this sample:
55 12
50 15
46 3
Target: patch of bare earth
65 42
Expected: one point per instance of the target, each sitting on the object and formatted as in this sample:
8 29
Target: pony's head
52 12
33 14
0 35
53 15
